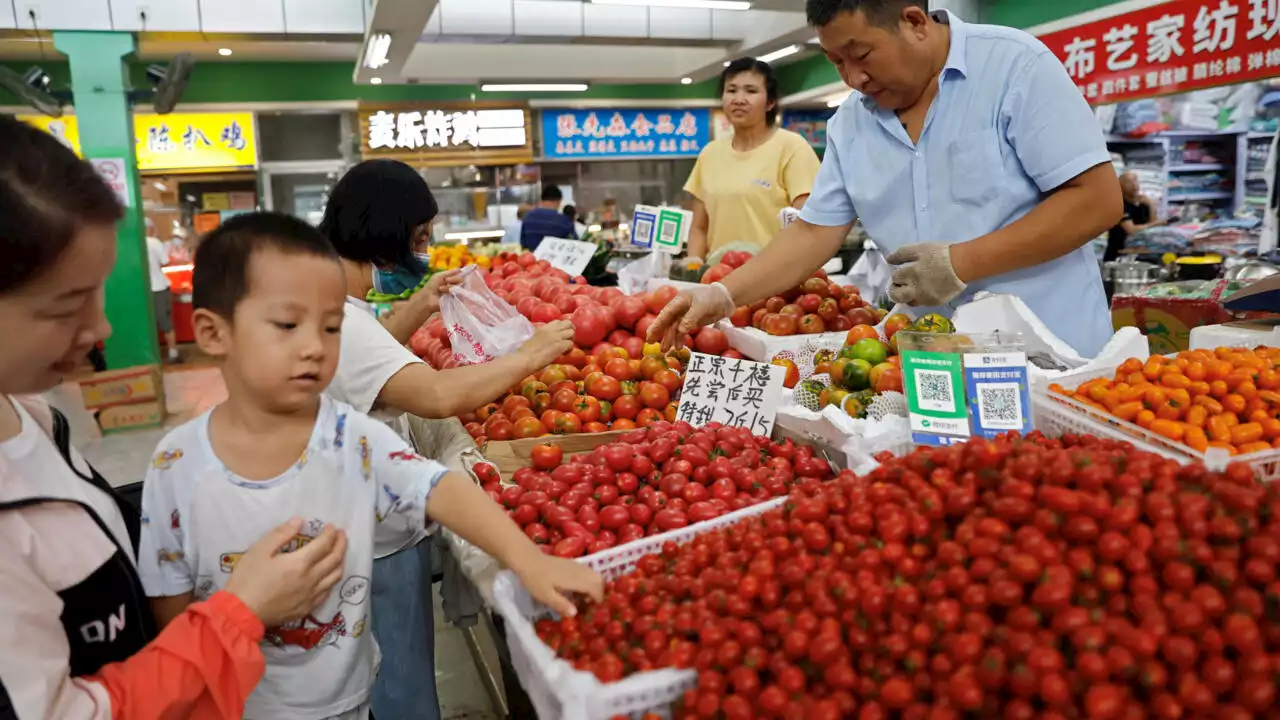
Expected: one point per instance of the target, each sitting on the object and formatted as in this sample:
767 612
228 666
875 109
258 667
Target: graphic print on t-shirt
310 633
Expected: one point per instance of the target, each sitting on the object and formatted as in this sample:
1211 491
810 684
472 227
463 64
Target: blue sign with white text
576 134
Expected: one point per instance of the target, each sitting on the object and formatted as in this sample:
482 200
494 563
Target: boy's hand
548 343
548 578
279 587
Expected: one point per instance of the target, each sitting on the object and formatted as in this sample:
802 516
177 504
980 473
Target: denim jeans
404 625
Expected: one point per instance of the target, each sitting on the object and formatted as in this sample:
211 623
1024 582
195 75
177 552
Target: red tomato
546 456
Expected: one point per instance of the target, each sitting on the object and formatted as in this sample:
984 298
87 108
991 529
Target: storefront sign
570 134
114 173
187 141
1175 46
441 135
178 141
811 124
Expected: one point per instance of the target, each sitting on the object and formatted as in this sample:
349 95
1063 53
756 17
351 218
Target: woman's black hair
761 68
570 212
47 195
374 212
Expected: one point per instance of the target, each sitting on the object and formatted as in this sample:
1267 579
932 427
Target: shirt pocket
976 167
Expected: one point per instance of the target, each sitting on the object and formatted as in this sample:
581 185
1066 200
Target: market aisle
123 458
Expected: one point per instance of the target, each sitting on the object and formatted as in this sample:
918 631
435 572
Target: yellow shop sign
178 141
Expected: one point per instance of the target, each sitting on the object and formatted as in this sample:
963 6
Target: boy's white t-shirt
199 518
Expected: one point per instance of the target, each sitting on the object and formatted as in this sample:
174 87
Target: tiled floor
123 458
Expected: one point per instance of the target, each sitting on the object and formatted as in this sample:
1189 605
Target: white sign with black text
737 393
571 256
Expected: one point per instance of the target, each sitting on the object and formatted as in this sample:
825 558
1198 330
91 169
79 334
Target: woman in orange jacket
79 641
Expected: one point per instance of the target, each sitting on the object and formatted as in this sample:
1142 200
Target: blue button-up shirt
1008 125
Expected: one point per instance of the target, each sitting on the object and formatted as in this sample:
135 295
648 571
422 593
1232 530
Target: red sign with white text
1173 47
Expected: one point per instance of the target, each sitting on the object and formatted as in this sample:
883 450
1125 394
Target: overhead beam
404 22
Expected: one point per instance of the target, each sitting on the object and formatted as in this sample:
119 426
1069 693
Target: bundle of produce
815 306
1227 398
1020 578
649 482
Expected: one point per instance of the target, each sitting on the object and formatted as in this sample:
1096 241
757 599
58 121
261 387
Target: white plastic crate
557 690
1056 414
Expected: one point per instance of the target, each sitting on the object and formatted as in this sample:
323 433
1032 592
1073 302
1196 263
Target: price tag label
571 256
737 393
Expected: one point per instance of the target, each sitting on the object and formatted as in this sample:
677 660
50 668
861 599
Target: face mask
397 280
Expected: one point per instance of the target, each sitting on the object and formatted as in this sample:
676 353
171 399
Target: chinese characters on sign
570 256
625 133
176 141
1172 47
738 393
440 129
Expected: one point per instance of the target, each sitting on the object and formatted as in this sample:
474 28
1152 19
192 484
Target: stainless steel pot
1251 271
1129 276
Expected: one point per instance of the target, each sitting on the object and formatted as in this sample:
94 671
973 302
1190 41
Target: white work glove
925 276
690 310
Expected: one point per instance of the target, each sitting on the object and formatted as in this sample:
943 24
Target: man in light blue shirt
970 157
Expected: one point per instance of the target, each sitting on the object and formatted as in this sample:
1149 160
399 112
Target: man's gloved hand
690 310
925 276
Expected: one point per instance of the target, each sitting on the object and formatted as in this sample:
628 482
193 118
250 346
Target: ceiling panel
63 14
476 17
680 23
615 21
466 63
553 18
161 15
8 20
324 16
260 16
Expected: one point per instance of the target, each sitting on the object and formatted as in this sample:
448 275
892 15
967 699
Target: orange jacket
202 666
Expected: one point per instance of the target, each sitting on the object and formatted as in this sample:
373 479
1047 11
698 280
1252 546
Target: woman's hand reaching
548 343
440 284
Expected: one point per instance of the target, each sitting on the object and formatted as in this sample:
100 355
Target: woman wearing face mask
78 639
378 215
744 182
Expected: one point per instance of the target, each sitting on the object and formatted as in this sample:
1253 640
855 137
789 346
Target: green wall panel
1026 13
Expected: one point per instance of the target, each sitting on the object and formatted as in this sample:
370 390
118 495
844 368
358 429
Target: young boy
269 297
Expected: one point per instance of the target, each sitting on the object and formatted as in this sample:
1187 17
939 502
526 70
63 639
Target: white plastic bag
871 274
634 277
481 325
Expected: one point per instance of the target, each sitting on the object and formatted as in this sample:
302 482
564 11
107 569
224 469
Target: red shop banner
1176 46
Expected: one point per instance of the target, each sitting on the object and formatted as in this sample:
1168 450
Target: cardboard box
511 455
121 387
134 416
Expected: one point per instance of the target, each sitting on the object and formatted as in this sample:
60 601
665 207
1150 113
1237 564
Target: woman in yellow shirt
742 183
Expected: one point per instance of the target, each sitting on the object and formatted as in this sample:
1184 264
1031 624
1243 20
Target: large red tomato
629 310
589 327
711 341
546 456
653 395
659 298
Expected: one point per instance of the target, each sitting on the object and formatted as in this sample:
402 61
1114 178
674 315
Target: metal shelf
1200 196
1197 167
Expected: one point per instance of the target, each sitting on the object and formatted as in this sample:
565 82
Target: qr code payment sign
1000 406
935 391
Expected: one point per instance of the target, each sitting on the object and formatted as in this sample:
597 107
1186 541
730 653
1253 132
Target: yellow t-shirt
745 191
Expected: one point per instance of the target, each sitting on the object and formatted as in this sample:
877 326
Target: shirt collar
957 55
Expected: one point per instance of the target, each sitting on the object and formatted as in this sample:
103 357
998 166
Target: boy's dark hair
374 212
551 192
221 277
764 70
47 195
878 12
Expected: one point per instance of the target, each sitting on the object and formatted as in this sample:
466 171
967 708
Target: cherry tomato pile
652 481
584 394
815 306
1228 398
1020 578
603 317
